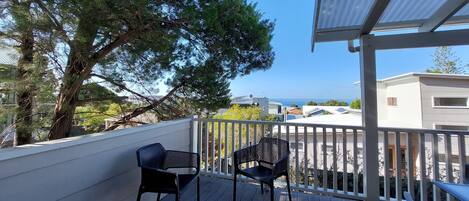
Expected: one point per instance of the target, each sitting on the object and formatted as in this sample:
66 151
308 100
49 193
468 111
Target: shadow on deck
217 189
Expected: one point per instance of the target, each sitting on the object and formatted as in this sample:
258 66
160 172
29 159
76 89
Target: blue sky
328 72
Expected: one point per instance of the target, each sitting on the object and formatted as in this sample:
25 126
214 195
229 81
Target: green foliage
92 117
334 103
237 112
294 105
312 103
356 104
445 61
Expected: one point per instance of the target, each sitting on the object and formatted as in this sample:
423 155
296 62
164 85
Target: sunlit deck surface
217 189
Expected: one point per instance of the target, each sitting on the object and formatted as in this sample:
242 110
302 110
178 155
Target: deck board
217 189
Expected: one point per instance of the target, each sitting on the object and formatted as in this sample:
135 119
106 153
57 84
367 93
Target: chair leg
177 195
288 186
140 192
234 187
272 191
262 188
158 197
198 188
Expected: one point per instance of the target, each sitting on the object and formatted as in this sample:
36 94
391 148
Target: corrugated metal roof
343 19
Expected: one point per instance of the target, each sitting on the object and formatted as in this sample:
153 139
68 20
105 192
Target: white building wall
434 87
99 166
408 108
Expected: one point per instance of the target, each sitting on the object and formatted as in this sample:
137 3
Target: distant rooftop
351 119
426 75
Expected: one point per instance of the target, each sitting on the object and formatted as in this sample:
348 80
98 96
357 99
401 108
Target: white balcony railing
329 159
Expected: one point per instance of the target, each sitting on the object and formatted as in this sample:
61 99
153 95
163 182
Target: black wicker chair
155 162
272 158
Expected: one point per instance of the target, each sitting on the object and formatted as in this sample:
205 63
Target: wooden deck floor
216 189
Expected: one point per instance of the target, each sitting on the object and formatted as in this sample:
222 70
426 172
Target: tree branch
123 87
57 25
138 111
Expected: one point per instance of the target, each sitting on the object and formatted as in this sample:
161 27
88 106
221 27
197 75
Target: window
392 101
299 145
452 127
450 102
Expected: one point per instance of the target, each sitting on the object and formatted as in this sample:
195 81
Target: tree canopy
132 47
446 61
356 104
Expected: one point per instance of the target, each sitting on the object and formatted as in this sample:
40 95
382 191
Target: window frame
394 98
453 107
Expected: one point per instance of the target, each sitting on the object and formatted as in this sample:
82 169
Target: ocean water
302 101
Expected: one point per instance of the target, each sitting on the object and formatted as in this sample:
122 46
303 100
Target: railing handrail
280 123
392 129
423 130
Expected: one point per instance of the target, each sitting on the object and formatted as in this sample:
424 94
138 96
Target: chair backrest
272 149
408 196
151 155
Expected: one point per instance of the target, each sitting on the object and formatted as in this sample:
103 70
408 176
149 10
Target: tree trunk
67 100
24 87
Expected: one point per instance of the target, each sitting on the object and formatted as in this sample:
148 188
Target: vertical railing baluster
305 149
435 158
410 166
233 145
213 147
462 158
255 133
334 160
324 159
219 147
449 163
387 188
398 166
297 160
355 162
263 130
344 161
226 147
423 174
279 132
199 139
315 159
207 161
248 139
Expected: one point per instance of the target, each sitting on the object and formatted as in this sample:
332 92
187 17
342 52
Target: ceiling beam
376 10
446 11
315 23
418 40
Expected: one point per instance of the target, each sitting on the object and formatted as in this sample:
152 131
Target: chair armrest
181 159
281 166
164 178
245 155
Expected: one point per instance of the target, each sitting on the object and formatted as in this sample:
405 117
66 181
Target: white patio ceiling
336 20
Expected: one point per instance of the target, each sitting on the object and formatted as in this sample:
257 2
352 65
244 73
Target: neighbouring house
425 100
412 100
267 106
8 61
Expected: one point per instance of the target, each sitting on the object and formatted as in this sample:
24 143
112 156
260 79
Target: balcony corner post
193 132
369 117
